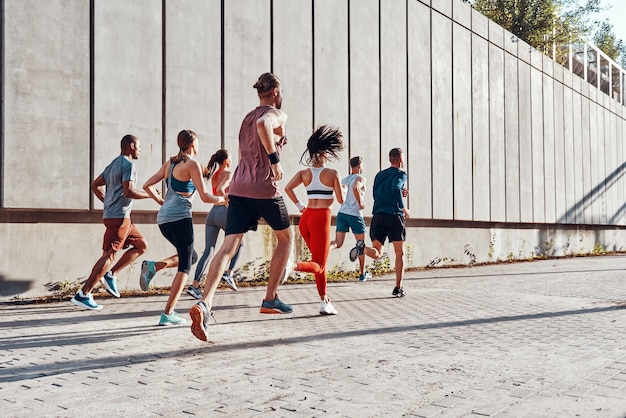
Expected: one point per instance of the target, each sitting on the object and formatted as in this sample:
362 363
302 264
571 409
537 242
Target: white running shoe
229 281
326 308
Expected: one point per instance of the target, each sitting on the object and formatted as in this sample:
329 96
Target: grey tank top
175 207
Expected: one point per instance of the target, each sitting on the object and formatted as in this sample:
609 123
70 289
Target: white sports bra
316 189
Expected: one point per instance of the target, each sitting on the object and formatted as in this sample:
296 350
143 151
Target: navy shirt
388 186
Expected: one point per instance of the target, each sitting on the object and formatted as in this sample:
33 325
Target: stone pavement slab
531 339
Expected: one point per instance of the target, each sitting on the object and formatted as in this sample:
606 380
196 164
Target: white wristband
300 205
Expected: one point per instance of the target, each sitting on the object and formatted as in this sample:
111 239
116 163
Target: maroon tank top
253 177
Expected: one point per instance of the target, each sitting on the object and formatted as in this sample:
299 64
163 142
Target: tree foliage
606 40
543 24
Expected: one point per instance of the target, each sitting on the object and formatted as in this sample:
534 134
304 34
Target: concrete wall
509 155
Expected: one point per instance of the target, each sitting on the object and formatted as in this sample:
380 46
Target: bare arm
148 186
195 172
337 187
272 121
295 181
130 191
357 186
97 187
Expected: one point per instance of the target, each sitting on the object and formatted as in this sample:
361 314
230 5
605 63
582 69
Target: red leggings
315 229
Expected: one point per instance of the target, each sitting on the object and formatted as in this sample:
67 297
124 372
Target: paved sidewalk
531 339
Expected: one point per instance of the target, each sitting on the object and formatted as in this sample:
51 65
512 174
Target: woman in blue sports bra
183 178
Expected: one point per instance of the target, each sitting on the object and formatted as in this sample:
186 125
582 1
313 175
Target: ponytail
184 140
216 160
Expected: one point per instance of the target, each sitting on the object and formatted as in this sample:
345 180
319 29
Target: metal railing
592 65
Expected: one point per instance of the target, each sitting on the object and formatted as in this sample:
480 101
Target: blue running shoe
86 302
365 276
171 319
275 306
148 270
110 284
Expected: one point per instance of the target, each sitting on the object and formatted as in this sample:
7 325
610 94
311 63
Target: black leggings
180 234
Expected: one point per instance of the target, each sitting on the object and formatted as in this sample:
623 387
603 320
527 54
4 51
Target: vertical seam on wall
2 78
406 63
452 119
532 136
489 116
380 89
543 141
504 126
313 64
349 94
430 58
92 94
564 215
603 174
472 112
519 139
272 36
163 82
554 81
222 78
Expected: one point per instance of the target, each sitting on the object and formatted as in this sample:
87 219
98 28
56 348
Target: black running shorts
385 226
244 214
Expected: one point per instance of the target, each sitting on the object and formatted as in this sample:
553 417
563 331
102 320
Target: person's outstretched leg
279 261
83 297
201 311
338 241
398 247
138 246
210 239
363 276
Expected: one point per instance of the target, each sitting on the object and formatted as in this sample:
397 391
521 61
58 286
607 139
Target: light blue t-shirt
116 205
350 206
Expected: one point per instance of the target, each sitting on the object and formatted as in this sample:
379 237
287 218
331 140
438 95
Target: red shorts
120 233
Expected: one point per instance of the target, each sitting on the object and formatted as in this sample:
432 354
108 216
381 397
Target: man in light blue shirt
350 215
119 179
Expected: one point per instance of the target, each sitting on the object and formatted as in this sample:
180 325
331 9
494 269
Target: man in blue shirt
389 216
119 177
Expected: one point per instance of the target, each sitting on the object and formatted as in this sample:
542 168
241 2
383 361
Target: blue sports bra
181 186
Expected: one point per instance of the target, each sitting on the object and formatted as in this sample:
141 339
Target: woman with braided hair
183 177
320 182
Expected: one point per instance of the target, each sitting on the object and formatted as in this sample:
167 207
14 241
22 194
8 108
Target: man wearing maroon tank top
254 194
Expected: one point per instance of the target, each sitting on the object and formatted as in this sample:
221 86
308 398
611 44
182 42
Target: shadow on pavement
59 368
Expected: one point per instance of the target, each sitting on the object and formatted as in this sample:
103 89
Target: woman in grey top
183 177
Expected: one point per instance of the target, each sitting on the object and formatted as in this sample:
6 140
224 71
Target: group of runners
240 198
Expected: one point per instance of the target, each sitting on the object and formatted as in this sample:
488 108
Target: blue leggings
180 234
215 221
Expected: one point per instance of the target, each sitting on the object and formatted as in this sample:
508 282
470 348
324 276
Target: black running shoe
399 293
